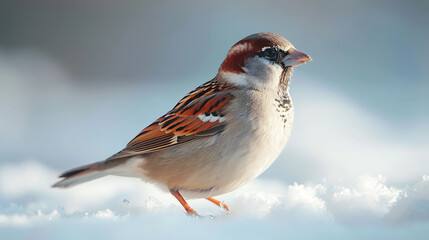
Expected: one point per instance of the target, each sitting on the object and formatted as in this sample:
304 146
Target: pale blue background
79 79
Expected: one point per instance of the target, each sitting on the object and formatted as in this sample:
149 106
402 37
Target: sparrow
221 135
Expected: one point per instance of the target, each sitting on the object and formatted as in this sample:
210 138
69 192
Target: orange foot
218 203
189 210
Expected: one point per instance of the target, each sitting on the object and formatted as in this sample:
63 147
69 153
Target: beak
295 58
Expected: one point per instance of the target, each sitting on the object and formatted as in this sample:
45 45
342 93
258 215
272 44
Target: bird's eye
270 54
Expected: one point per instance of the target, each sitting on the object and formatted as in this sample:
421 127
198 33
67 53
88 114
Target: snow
271 205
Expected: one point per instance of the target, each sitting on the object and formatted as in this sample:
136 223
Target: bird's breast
253 140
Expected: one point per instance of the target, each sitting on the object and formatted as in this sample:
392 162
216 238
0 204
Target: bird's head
261 60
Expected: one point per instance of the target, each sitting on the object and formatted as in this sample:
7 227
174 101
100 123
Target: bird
218 137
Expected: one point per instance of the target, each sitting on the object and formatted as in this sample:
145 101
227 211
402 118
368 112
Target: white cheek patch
266 61
210 118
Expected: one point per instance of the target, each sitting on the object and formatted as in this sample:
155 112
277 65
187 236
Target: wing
199 114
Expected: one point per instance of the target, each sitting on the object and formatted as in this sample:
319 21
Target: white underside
244 164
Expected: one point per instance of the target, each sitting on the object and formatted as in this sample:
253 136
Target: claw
219 203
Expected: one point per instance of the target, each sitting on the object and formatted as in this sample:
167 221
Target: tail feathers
80 175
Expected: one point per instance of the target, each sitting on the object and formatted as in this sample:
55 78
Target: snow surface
124 207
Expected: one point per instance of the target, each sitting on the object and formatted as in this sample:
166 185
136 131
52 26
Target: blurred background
79 79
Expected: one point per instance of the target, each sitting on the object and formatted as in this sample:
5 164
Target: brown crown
241 51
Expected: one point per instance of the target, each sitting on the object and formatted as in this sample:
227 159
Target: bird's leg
218 203
182 201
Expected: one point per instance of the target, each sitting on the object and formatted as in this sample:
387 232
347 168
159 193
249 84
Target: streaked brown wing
199 114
